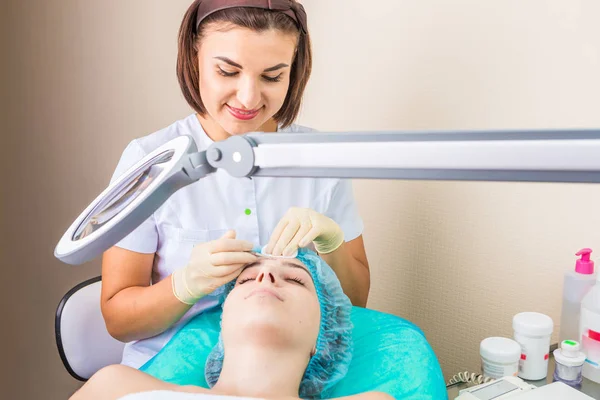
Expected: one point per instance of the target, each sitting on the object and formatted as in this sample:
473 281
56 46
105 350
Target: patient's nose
266 276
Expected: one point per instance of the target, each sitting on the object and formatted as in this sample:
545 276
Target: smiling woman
242 66
242 92
247 113
286 333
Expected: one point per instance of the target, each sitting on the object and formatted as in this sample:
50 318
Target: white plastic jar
533 331
499 357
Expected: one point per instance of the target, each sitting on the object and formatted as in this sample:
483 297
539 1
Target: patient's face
274 300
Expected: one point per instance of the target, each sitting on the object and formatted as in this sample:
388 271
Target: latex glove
299 227
212 265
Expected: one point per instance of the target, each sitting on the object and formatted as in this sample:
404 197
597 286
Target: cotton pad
263 253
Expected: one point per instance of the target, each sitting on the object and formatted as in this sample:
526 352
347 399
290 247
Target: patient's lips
265 292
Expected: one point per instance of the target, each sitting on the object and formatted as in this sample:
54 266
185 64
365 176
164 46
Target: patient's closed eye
241 281
246 276
297 280
289 278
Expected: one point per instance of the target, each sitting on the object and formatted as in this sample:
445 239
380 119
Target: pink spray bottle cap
584 265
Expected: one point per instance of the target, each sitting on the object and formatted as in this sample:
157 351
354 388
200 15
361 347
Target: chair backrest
84 344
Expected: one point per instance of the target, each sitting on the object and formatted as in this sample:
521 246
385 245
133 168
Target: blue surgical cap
334 342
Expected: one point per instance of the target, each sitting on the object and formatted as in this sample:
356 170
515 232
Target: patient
285 334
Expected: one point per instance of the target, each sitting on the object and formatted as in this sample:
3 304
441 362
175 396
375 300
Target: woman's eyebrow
276 67
284 264
254 264
230 62
236 65
293 265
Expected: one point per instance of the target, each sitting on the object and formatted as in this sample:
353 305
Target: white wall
460 259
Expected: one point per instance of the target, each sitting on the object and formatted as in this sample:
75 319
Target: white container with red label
532 331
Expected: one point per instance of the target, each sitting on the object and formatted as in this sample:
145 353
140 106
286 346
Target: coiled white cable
468 377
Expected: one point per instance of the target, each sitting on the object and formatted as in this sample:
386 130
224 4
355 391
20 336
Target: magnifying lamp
534 156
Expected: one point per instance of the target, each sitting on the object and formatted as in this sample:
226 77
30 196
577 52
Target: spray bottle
577 283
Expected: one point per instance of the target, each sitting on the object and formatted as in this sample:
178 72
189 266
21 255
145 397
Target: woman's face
275 301
244 75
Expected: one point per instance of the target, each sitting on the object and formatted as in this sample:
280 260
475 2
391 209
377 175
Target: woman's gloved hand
299 227
212 265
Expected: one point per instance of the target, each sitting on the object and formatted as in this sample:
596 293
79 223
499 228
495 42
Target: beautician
243 67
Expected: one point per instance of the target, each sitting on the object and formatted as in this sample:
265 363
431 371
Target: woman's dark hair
258 20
